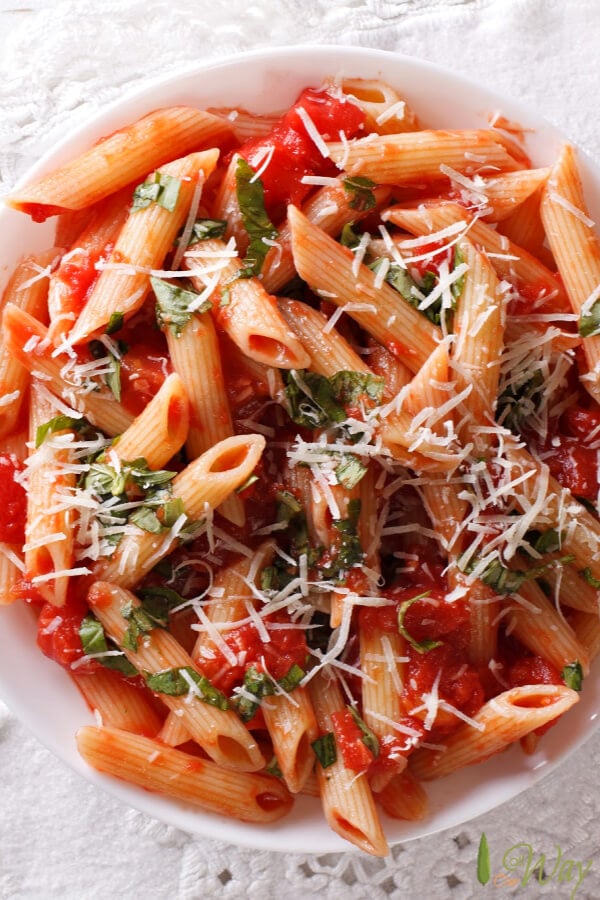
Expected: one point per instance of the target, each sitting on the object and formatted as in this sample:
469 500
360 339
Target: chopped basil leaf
587 574
348 387
112 377
250 480
458 285
325 750
420 646
157 188
348 237
361 189
589 324
205 229
173 304
93 640
104 479
346 550
399 279
311 399
174 683
146 519
58 423
158 601
272 768
260 685
509 581
572 675
316 401
350 471
292 678
251 201
225 298
138 624
91 633
287 506
115 323
520 399
547 541
368 737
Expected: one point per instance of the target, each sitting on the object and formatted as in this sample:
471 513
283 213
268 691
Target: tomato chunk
291 151
13 501
58 634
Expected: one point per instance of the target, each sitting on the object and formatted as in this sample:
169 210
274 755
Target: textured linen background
59 62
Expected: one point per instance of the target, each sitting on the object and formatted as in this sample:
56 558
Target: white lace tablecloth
59 62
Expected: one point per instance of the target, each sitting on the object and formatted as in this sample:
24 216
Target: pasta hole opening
535 701
230 459
234 752
351 832
366 92
269 801
270 349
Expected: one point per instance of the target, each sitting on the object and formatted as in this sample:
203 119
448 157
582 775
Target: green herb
175 305
589 324
157 188
225 300
572 675
115 323
361 190
316 401
420 646
547 541
112 377
250 480
158 601
105 480
458 285
349 238
146 519
587 575
347 550
520 400
174 683
260 685
292 678
272 768
483 861
325 750
509 581
205 229
251 201
350 471
348 387
369 739
138 624
93 641
58 423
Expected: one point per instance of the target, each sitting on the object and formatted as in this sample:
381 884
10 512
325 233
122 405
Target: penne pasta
118 160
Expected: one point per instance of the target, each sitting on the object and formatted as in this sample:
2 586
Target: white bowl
39 692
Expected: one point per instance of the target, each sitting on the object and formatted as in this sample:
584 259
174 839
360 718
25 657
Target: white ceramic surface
37 689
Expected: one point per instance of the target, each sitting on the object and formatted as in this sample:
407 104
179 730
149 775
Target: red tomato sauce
58 634
80 274
293 153
13 501
275 657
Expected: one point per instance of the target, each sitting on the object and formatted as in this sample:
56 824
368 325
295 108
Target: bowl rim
170 811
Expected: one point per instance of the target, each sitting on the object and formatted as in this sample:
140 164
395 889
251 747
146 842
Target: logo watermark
521 864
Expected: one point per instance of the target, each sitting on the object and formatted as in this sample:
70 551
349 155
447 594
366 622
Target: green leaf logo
483 860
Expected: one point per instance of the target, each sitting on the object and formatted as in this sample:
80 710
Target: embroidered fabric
59 63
